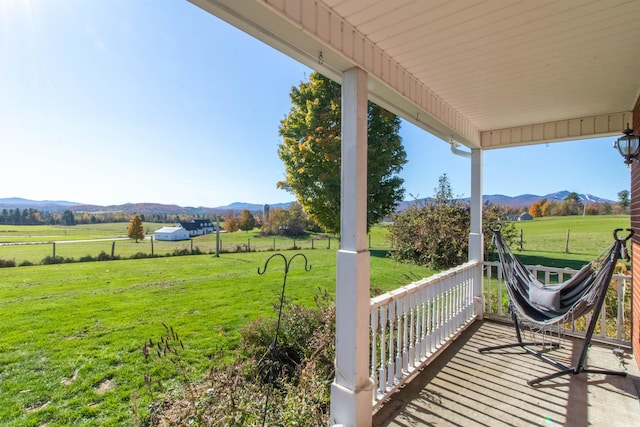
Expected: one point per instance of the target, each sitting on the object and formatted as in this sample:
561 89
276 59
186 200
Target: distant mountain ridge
525 200
520 201
131 208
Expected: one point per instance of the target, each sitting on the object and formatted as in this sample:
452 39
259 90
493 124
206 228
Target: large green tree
623 199
246 221
310 152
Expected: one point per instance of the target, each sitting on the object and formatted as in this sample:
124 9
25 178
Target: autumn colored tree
311 153
231 223
287 222
546 208
535 210
246 221
135 229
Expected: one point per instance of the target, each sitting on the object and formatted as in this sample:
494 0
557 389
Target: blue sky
110 102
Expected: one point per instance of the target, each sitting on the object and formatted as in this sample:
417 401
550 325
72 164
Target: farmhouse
526 216
198 227
171 233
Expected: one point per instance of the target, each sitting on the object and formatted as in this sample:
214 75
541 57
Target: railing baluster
392 355
382 374
424 308
487 303
620 288
399 336
374 353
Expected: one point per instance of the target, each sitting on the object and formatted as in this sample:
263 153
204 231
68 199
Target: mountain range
520 201
523 200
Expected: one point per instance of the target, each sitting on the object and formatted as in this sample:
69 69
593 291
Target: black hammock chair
544 305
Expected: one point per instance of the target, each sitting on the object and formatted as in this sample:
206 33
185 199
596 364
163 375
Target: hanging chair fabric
549 304
546 305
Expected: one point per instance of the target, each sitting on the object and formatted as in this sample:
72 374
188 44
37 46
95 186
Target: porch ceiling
489 73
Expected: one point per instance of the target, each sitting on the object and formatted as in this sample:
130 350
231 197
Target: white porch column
476 247
351 398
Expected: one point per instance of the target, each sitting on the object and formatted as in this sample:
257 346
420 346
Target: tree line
571 205
291 222
31 216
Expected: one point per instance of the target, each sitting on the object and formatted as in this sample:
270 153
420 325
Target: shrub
103 256
141 255
436 233
52 260
7 263
235 394
304 333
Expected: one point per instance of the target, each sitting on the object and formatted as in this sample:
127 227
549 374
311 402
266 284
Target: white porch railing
614 326
412 324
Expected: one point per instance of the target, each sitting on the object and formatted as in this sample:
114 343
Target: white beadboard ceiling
487 73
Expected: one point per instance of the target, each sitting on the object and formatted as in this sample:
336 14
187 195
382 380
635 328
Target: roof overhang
486 74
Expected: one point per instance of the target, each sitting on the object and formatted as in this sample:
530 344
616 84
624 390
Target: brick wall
635 225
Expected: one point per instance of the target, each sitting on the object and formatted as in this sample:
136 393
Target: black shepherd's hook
274 344
287 264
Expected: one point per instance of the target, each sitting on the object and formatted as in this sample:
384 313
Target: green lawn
47 233
108 239
544 239
71 336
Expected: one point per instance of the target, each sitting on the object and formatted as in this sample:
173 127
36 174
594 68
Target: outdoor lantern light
628 145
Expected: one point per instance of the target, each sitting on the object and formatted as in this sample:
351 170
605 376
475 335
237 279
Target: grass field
545 239
34 243
71 335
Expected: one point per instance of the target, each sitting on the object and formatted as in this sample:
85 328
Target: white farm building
171 233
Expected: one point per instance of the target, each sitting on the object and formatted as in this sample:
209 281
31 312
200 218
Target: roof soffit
487 74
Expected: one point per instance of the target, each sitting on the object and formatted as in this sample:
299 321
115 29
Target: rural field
72 333
545 239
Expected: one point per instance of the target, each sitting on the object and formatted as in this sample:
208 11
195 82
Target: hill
520 201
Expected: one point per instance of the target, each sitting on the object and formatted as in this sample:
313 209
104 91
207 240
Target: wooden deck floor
463 387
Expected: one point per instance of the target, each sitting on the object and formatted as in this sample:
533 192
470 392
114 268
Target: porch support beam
351 391
476 245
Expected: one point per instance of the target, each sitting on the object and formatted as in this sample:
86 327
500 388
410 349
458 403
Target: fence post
151 247
191 242
312 244
217 236
54 250
566 244
113 248
521 241
329 243
274 243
